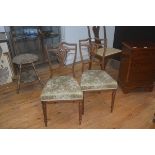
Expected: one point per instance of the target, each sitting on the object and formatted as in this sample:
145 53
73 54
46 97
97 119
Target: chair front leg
44 112
113 99
80 112
90 66
83 107
83 103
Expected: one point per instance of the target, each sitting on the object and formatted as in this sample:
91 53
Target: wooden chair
101 44
95 80
63 88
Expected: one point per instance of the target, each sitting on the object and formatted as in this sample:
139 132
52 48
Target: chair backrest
91 47
66 56
97 33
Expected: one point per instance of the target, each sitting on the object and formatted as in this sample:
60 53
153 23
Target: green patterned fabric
97 80
109 51
61 88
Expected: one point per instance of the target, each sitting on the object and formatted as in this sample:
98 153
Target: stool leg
19 77
37 74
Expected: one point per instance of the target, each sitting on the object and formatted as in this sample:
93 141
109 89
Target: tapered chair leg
83 107
83 104
44 112
113 100
90 65
80 113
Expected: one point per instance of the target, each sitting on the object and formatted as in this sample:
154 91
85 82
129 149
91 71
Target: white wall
73 34
110 35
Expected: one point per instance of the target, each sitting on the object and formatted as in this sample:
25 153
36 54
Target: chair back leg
44 112
80 112
113 99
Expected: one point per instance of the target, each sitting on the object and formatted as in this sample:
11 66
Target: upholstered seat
61 88
97 80
25 58
109 51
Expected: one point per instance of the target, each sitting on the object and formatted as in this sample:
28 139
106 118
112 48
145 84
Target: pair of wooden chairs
65 88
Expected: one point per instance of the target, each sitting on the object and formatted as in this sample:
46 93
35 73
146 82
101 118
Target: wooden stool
25 60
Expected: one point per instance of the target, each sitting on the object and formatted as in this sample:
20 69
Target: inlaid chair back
65 54
62 88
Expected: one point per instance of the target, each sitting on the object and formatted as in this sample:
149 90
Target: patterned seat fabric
109 51
97 80
61 88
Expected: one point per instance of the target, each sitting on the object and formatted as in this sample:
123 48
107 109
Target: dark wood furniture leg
90 65
80 112
83 107
113 100
44 112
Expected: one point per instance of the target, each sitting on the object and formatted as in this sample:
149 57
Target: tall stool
24 60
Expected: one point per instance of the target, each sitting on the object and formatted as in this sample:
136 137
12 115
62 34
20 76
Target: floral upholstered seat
97 80
61 88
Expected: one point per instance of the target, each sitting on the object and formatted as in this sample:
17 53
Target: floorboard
134 110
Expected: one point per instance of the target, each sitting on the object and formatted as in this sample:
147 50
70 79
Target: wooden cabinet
137 66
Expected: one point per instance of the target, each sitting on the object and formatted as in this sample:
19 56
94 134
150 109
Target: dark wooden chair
95 80
62 88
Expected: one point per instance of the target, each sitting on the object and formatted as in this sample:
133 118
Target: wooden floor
23 110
